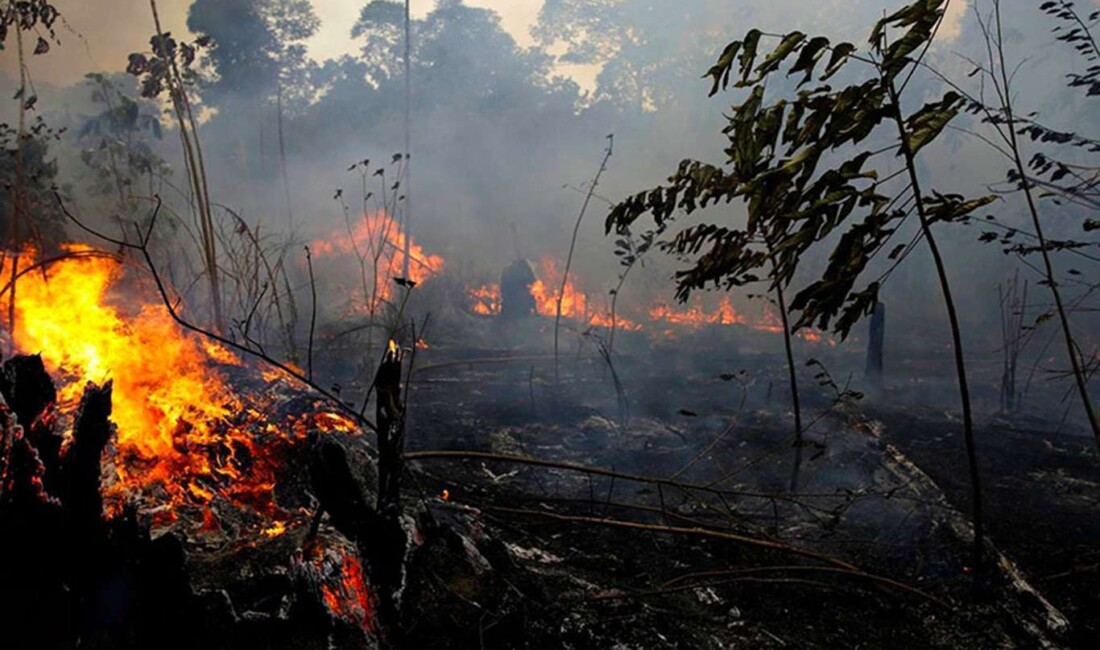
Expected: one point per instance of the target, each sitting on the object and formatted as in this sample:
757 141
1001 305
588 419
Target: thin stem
313 314
953 319
1048 267
572 249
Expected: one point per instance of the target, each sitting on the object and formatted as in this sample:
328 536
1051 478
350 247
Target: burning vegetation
237 414
185 435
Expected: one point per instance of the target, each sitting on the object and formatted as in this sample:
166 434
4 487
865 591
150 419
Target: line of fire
449 324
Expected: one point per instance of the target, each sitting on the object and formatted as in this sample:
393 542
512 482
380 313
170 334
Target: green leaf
748 54
720 71
788 45
841 53
811 53
927 123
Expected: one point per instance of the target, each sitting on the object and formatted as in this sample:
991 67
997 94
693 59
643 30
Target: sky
99 34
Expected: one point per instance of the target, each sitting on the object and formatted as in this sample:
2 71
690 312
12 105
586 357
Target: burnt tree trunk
387 557
29 392
875 343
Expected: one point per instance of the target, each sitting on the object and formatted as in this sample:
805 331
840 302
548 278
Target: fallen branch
837 565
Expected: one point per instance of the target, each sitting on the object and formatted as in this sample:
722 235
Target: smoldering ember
629 324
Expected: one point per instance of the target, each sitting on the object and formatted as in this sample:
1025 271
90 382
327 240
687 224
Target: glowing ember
350 598
275 530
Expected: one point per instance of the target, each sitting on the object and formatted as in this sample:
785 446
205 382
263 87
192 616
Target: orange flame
696 316
547 289
182 433
379 236
485 300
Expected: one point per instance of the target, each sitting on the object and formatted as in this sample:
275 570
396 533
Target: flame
183 435
379 236
445 495
620 323
696 316
485 300
547 289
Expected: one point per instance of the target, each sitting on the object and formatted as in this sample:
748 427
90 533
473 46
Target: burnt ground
659 514
615 587
1042 495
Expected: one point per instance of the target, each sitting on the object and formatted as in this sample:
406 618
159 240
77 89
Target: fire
547 288
379 237
620 323
696 316
183 435
485 300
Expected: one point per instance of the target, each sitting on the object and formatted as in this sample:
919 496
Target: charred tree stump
29 392
33 596
875 342
390 418
386 553
81 465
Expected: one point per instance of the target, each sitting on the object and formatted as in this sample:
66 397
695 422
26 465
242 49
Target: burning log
343 476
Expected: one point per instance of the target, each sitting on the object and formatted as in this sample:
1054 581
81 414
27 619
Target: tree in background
28 177
257 55
115 143
640 45
25 220
460 55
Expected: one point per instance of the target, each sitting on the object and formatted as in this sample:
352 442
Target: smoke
501 137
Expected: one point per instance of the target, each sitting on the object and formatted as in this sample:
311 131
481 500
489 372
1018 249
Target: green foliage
30 16
43 224
799 166
115 143
155 69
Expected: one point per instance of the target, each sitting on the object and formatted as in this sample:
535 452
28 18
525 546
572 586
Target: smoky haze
501 134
